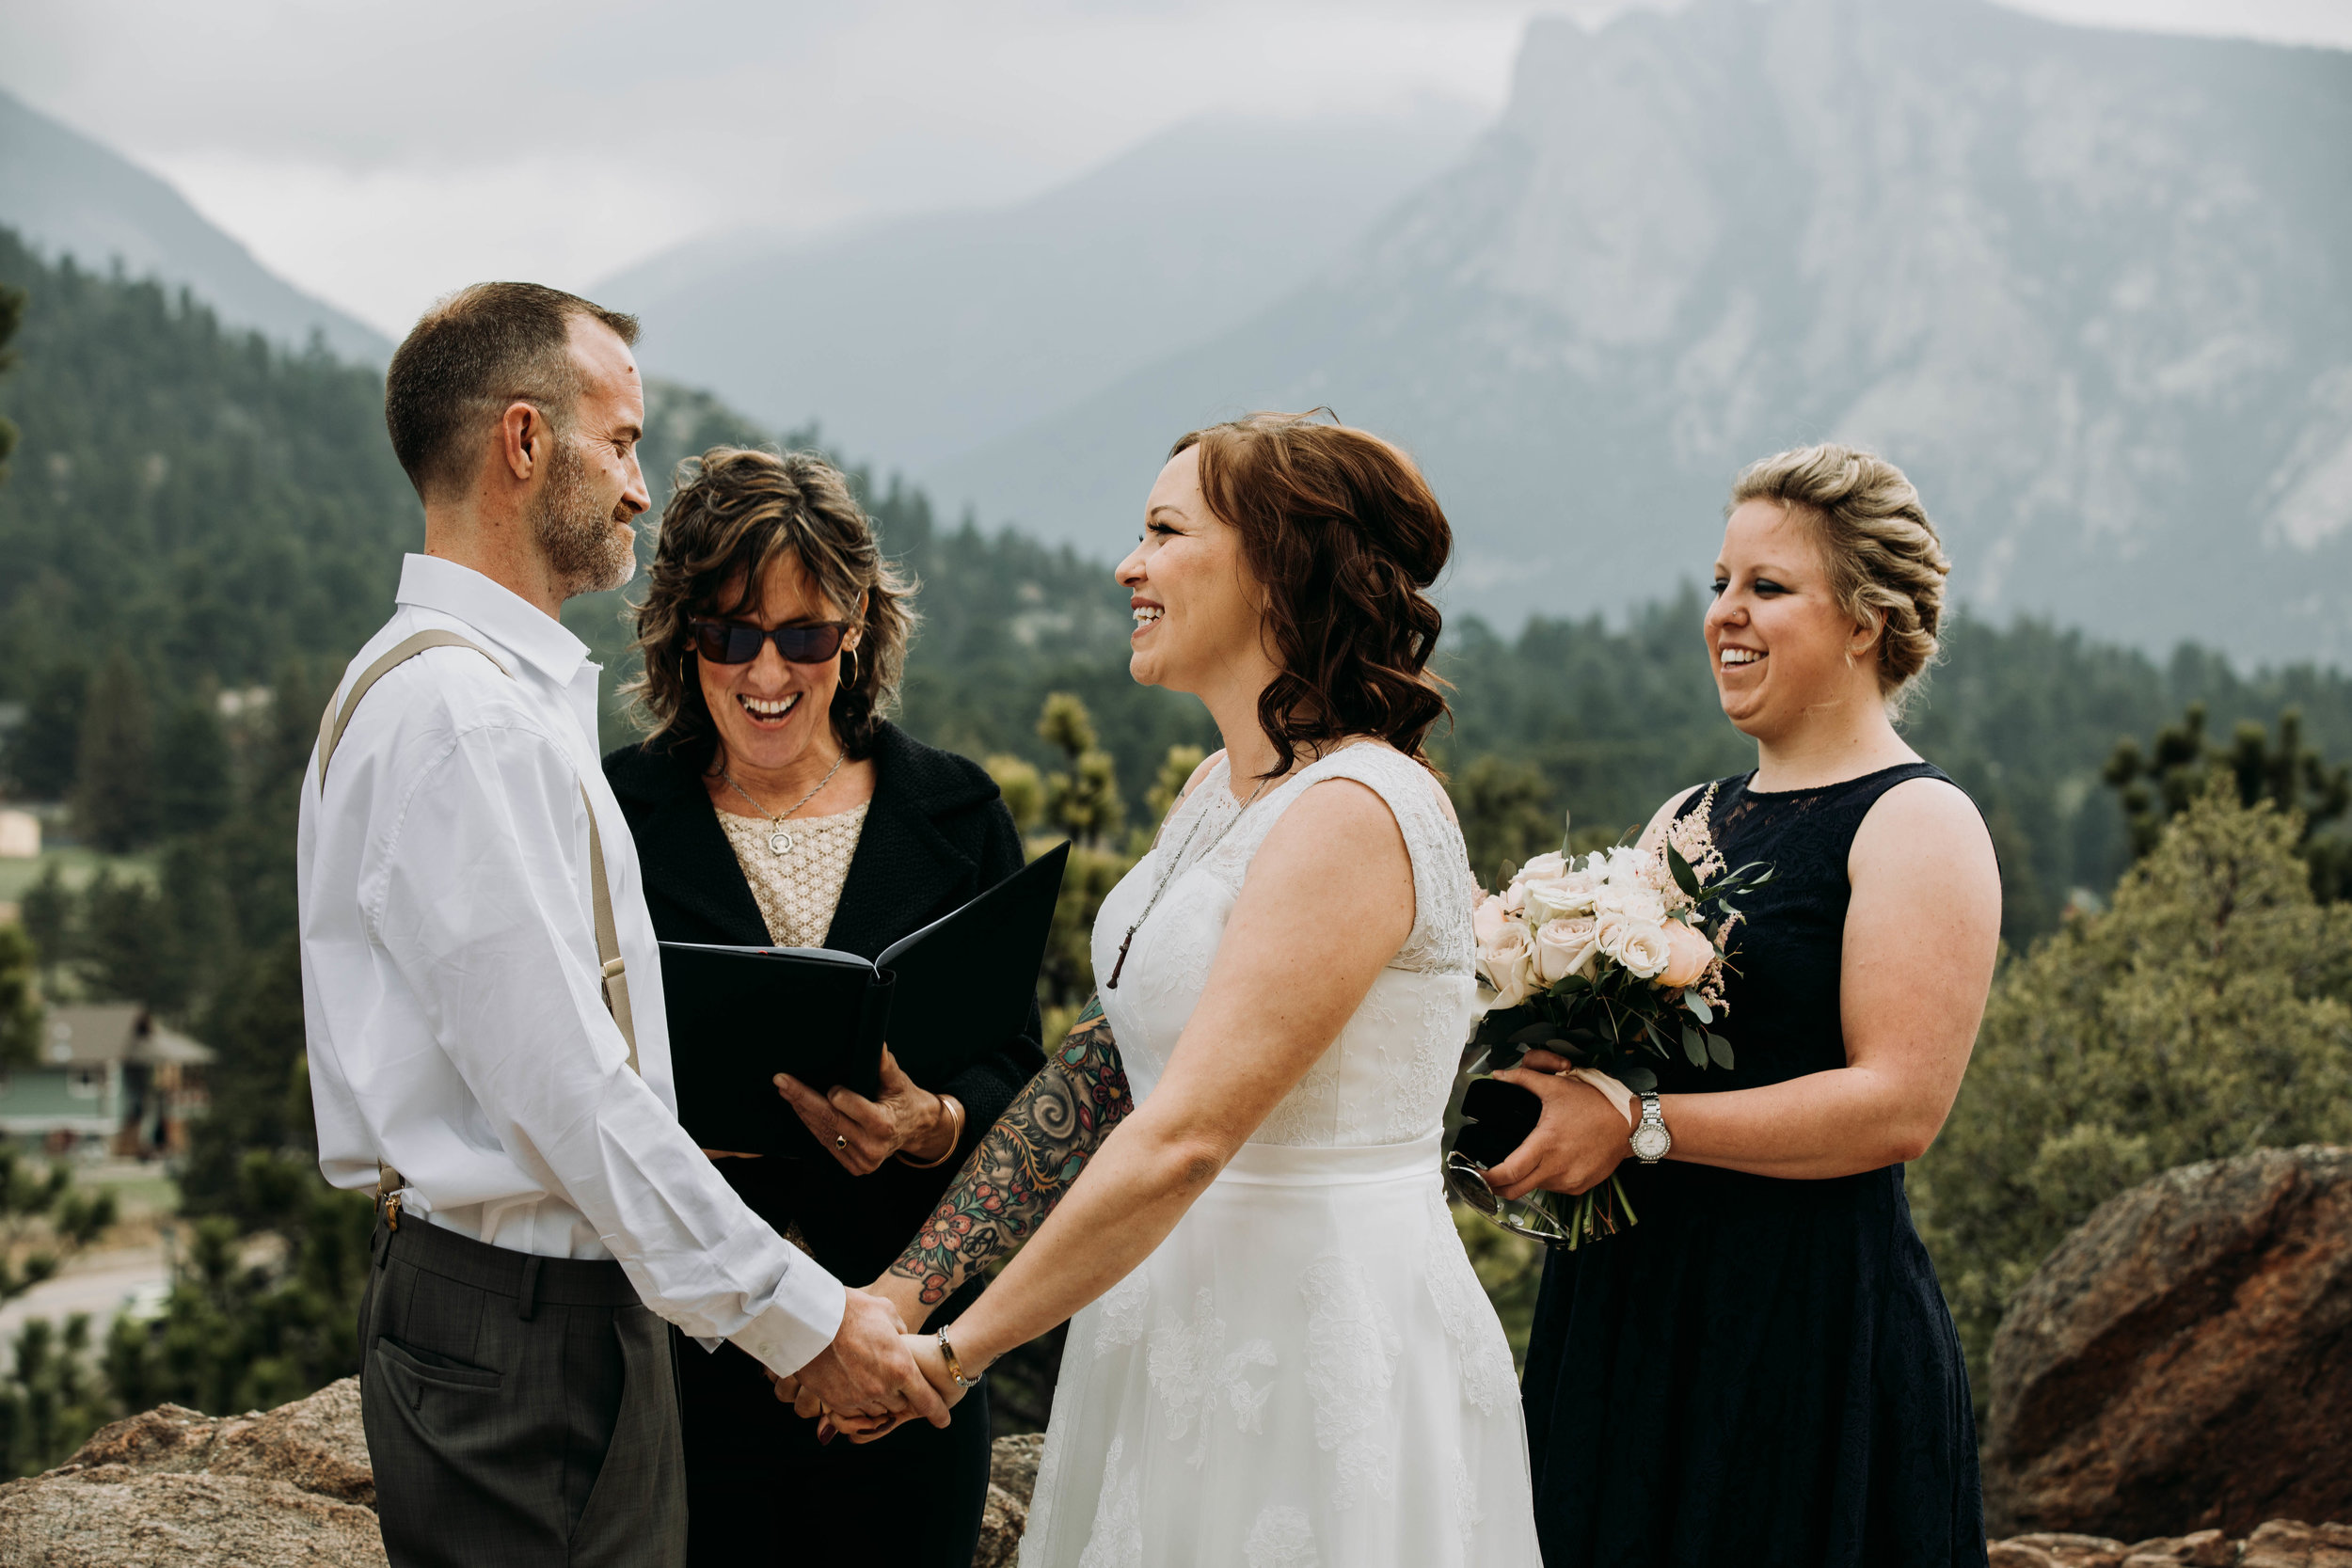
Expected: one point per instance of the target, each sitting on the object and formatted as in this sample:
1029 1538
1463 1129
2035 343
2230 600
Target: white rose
1488 919
1509 964
1565 947
1571 894
1630 900
1642 949
1543 867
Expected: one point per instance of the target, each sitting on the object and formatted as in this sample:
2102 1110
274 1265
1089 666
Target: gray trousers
519 1411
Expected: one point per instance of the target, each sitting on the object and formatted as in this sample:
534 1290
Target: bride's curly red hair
1346 537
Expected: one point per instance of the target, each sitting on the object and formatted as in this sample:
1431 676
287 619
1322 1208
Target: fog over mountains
2093 289
68 194
921 337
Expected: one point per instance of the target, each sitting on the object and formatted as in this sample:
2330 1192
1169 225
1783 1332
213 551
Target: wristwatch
1650 1139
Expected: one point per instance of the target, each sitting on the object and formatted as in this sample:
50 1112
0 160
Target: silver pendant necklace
1174 867
779 840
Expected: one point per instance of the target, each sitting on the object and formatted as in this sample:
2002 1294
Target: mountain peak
66 195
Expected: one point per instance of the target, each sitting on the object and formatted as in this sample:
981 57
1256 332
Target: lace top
1385 1078
797 890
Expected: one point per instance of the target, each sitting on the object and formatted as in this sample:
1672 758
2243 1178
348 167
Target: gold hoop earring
849 678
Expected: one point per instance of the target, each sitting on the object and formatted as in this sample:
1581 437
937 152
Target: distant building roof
91 1033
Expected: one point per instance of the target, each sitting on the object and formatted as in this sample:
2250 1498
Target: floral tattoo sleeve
1026 1162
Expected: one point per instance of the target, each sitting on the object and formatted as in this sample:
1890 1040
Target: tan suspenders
615 977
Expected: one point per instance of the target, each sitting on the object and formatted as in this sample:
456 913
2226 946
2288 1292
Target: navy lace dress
1761 1372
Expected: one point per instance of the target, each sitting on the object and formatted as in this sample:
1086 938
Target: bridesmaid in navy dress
1763 1371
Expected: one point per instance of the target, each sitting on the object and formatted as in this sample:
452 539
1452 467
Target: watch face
1650 1141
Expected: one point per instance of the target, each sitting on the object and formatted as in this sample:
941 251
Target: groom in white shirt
486 1037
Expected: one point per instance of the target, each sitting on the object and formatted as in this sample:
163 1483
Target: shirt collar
499 612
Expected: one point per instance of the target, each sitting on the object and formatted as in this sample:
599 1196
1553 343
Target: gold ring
840 1140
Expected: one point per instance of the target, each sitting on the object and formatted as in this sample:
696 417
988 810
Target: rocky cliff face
2092 288
2186 1357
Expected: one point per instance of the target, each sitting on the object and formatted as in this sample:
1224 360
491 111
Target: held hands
1580 1139
870 1373
861 1134
924 1348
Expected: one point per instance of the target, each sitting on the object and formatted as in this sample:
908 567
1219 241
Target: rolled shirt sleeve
478 894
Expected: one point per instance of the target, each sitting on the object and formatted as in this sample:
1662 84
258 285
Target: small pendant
780 842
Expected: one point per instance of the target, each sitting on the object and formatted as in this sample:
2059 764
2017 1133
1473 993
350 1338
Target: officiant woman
773 804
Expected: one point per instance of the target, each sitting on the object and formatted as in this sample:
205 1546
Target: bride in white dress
1279 1355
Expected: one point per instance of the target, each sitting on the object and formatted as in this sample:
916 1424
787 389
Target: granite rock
2183 1360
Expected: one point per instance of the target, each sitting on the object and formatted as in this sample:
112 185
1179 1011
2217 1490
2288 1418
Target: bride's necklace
1170 875
779 840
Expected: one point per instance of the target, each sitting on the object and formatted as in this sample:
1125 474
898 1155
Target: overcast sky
381 155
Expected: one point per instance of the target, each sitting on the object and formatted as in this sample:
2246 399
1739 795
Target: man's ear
522 439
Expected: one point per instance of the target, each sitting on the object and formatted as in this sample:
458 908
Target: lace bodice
1385 1079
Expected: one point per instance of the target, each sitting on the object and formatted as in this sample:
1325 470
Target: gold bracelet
955 1367
955 1112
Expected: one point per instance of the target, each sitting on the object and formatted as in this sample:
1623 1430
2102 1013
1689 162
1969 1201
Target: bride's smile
1195 602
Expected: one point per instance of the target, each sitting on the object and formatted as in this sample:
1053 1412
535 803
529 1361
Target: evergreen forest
200 529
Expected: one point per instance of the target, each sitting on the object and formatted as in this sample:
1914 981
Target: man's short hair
472 355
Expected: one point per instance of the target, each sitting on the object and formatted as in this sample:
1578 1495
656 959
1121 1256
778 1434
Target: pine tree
114 786
12 304
1505 808
1083 801
20 999
48 912
194 790
2159 784
125 943
45 749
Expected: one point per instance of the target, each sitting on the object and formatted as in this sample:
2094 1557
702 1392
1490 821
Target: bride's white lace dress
1306 1371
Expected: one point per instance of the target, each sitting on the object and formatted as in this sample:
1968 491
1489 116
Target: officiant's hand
869 1371
1578 1140
861 1134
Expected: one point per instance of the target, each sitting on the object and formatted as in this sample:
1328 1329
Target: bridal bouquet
1608 961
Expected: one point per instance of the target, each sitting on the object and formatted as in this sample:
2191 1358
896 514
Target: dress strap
1443 890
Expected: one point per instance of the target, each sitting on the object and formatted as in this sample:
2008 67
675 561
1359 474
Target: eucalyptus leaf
1685 879
1698 1003
1692 1048
1719 1049
1535 1034
1641 1080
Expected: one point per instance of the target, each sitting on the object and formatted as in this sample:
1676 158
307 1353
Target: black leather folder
959 987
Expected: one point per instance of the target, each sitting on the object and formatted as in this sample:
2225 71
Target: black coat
936 836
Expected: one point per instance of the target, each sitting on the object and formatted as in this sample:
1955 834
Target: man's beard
586 550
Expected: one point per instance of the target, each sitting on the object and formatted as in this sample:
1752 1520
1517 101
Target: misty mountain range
69 196
2092 288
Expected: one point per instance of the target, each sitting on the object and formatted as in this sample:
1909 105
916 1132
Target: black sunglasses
735 642
1466 1179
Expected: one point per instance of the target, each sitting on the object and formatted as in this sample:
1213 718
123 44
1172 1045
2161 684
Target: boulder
113 1516
2183 1360
1012 1477
2290 1544
290 1486
2279 1543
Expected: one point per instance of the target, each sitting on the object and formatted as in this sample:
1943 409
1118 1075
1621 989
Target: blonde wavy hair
737 509
1886 562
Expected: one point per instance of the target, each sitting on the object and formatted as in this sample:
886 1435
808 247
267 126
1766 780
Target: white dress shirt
449 982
